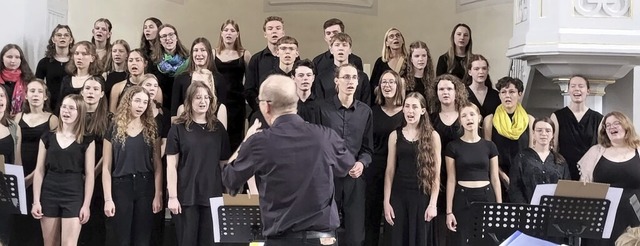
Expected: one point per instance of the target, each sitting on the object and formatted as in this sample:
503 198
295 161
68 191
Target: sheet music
215 203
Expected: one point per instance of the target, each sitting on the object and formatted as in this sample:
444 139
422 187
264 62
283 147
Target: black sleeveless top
491 101
112 79
7 149
126 86
406 175
576 137
624 174
233 71
447 134
31 143
417 87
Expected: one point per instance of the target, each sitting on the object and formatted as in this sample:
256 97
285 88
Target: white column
594 100
636 97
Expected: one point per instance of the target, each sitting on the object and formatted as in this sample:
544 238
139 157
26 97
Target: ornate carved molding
465 5
353 6
602 8
522 11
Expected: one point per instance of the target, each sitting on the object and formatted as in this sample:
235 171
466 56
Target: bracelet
450 213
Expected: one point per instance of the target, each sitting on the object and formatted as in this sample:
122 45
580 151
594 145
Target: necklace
203 126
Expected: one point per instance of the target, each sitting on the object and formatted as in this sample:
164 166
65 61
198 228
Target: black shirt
134 156
31 136
576 137
491 101
472 160
325 61
508 148
354 124
384 125
528 170
52 71
260 65
418 86
447 134
378 69
309 110
294 163
65 160
232 92
458 66
200 151
325 86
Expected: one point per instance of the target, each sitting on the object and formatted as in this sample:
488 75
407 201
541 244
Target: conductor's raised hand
357 169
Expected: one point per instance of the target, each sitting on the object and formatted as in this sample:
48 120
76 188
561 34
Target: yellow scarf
508 129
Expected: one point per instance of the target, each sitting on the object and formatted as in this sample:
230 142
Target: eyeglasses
258 100
348 77
388 82
171 35
615 124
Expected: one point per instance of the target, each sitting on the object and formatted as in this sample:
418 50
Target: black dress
66 88
447 134
52 71
491 101
374 174
458 66
418 87
233 73
30 144
624 175
408 201
576 137
112 79
528 170
7 148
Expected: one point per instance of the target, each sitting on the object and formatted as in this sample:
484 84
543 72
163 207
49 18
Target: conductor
293 163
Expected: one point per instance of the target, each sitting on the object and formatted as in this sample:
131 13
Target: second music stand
494 222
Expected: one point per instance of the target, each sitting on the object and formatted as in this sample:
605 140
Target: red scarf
14 76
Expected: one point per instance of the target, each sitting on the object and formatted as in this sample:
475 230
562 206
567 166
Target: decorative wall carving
522 11
464 5
602 8
354 6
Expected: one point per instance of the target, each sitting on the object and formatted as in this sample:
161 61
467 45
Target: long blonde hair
123 117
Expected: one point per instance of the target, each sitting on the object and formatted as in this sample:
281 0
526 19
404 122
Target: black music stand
495 222
575 218
240 224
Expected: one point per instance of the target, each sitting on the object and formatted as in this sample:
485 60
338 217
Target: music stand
575 218
240 224
495 222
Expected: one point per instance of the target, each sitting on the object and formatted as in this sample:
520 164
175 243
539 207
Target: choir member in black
51 68
577 125
304 73
287 53
201 58
447 94
508 127
169 59
298 206
615 160
263 62
324 61
197 146
64 176
85 64
387 115
352 120
231 60
394 55
325 85
461 49
97 121
479 86
36 119
205 76
420 73
472 175
136 63
411 183
102 38
540 164
10 131
149 39
15 73
115 70
132 178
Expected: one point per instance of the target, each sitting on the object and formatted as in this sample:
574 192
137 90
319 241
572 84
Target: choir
109 135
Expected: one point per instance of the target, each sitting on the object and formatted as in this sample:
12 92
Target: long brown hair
79 124
398 98
95 68
559 159
451 53
468 80
428 74
123 117
148 45
109 65
237 45
99 123
46 104
210 63
186 117
630 137
461 94
158 52
426 153
27 73
5 120
51 47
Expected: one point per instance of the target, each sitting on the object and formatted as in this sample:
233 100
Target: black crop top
471 159
65 160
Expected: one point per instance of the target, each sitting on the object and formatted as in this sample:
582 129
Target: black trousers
194 226
350 199
294 242
462 199
133 198
374 178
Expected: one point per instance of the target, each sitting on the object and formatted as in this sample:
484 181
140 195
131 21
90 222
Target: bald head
281 92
